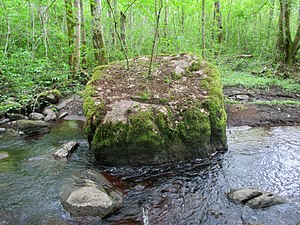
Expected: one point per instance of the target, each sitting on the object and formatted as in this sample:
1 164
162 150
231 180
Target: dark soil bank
258 108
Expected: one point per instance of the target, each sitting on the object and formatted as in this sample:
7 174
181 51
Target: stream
184 193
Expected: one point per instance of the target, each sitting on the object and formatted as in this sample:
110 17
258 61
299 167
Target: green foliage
25 76
232 78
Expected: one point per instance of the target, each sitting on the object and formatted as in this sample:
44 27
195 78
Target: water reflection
175 194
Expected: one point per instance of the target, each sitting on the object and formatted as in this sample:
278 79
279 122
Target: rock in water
90 194
254 198
32 127
177 114
3 155
66 150
36 116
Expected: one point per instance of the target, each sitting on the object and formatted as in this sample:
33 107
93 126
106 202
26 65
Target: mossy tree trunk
77 35
286 47
218 22
83 37
98 40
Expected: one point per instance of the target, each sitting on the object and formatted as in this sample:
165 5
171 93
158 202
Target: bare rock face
254 198
90 194
176 114
66 150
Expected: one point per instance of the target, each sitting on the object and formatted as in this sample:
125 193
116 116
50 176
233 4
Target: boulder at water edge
176 114
32 127
254 198
89 194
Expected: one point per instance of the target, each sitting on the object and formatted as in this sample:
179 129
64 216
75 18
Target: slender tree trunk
44 17
83 37
157 15
98 41
112 30
166 20
271 15
182 20
124 49
70 29
77 35
32 15
123 28
203 28
218 21
228 21
7 37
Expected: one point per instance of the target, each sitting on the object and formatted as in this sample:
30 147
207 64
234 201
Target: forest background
47 44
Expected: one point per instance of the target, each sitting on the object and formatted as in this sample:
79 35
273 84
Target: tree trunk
157 15
8 30
112 30
70 29
218 20
228 21
83 37
287 48
123 27
203 28
77 35
44 17
98 41
166 20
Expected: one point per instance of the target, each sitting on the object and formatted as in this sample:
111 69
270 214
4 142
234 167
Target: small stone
242 97
3 155
4 121
36 116
66 150
51 98
2 130
254 198
90 194
48 111
50 118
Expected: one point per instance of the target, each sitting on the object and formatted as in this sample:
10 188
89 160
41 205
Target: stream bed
185 193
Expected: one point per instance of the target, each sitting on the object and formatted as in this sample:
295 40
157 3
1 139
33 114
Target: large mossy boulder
176 114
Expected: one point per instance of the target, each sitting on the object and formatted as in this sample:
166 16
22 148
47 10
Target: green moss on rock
173 128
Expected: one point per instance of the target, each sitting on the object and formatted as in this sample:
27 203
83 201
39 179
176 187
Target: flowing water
183 193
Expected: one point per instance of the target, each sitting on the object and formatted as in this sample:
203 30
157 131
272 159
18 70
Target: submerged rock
3 155
176 114
32 127
66 150
90 194
254 198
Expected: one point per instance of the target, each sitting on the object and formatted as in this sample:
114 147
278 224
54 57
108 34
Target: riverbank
260 99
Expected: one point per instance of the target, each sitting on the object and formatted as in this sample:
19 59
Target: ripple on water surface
184 193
